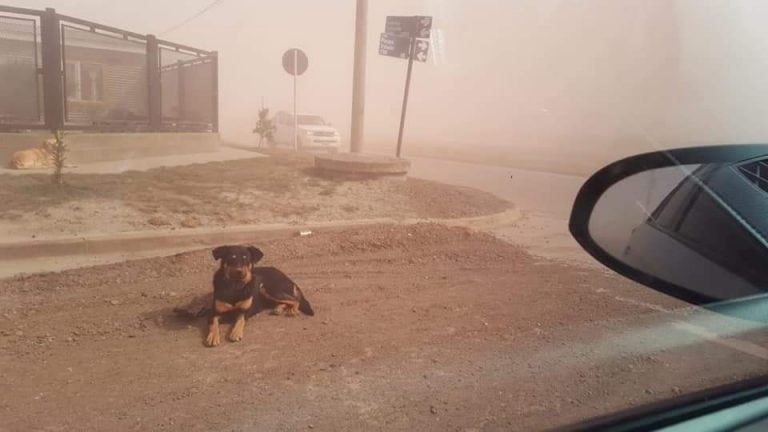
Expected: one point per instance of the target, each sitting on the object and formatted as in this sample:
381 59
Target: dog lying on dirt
234 287
281 294
34 158
242 289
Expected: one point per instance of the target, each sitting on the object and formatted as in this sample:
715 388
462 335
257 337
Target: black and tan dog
279 293
234 288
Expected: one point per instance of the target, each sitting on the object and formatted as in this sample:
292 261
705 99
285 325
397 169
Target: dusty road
419 328
534 191
544 199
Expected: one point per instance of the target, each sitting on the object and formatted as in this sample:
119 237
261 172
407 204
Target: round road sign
295 61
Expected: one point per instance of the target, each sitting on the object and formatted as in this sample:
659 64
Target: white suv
314 132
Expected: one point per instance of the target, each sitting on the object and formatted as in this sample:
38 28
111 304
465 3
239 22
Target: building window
84 81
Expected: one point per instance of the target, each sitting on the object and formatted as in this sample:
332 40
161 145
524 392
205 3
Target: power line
210 6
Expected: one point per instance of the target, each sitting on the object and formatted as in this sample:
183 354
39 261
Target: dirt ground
283 188
416 328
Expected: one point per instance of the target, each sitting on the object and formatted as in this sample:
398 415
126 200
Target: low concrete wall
362 164
99 147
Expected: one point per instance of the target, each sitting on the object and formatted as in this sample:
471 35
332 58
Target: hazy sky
524 74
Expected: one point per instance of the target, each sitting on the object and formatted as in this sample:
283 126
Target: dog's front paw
236 335
213 339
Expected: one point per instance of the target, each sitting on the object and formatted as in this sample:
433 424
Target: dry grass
178 189
281 188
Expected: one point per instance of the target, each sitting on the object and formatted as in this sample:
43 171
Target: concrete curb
362 164
204 237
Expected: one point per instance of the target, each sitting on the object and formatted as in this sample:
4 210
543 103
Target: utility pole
358 78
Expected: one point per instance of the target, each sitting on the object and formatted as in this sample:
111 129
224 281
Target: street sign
394 46
421 50
412 26
423 26
406 37
399 25
295 62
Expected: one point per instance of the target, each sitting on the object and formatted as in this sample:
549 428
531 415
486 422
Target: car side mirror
691 223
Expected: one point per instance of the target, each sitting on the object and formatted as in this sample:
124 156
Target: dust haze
526 81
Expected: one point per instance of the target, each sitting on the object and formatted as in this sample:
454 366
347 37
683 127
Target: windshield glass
417 269
310 120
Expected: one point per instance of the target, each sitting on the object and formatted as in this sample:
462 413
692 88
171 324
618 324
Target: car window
714 232
756 173
400 261
310 120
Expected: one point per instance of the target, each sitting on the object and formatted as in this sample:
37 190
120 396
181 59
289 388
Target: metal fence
60 72
19 93
188 94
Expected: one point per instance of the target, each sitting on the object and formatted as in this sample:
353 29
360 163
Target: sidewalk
224 153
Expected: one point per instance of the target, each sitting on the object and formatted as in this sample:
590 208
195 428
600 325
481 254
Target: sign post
405 37
405 97
295 62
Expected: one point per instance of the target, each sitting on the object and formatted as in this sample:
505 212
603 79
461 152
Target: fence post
154 97
53 89
181 97
215 91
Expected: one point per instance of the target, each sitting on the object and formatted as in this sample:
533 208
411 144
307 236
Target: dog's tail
189 314
304 305
183 313
198 307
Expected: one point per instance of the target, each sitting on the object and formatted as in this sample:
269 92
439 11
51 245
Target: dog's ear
256 254
220 252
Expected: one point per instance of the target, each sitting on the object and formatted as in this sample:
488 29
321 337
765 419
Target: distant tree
264 127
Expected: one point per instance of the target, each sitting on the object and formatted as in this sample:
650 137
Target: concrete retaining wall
99 147
356 165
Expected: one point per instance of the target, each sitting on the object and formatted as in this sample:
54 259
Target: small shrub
58 149
264 127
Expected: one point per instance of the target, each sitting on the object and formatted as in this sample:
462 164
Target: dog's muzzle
238 272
